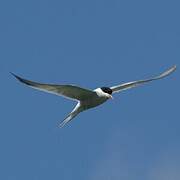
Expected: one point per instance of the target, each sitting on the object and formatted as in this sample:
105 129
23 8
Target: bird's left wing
132 84
68 91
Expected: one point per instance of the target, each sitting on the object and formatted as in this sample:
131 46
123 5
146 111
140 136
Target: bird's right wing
132 84
68 91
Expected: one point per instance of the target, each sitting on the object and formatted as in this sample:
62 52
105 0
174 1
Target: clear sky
92 44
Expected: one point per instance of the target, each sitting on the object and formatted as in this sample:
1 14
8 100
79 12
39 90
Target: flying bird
87 98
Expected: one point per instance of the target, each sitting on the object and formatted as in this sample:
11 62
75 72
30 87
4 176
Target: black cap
106 90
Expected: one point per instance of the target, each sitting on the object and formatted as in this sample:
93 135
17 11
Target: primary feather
68 91
132 84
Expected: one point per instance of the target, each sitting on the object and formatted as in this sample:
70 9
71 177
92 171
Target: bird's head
107 91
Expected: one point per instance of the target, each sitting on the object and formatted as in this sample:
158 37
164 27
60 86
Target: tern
87 98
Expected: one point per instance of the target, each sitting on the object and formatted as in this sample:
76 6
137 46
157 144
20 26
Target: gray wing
68 91
132 84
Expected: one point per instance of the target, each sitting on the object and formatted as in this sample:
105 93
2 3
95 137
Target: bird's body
93 102
97 99
86 98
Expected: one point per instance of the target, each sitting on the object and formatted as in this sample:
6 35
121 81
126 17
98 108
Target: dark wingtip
17 77
12 73
21 79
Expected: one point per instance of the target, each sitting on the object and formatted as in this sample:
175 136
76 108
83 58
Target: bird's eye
106 90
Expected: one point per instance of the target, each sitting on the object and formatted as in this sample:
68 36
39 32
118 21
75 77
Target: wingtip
12 73
173 68
17 77
20 79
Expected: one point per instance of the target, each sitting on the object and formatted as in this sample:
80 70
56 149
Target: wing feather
69 91
132 84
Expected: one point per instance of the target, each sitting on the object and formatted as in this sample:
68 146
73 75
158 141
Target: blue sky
91 44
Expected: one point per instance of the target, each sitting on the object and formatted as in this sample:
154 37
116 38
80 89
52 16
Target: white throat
100 93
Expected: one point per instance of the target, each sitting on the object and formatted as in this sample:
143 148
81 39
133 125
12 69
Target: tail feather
67 119
71 115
